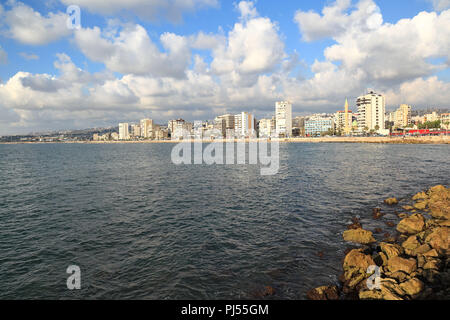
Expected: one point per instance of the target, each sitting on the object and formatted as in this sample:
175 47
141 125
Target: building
179 128
229 121
283 118
445 121
124 133
431 117
371 109
318 124
147 128
267 128
401 118
244 124
298 126
136 130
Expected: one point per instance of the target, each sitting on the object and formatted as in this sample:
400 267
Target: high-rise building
244 124
371 109
229 121
220 124
147 128
124 133
283 117
136 130
401 117
179 128
445 121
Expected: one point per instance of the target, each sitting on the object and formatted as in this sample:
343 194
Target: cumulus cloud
27 26
131 51
145 9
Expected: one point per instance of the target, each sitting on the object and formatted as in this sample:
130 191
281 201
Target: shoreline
365 140
412 263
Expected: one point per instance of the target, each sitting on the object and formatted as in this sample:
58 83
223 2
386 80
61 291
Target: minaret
347 128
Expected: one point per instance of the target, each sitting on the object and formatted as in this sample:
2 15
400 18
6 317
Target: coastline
411 263
367 140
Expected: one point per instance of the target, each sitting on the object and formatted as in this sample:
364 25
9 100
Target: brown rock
431 254
412 287
421 205
412 225
403 215
400 264
324 293
359 236
390 224
391 250
438 239
378 230
268 291
377 214
408 208
370 295
420 196
432 264
391 201
440 209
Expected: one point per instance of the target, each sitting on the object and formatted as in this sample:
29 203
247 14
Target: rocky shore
413 264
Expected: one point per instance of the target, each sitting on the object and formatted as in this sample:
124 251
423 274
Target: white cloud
440 5
30 27
336 19
132 51
145 9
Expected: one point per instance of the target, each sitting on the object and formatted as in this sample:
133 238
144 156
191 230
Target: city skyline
207 57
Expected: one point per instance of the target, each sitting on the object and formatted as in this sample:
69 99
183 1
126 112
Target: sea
140 227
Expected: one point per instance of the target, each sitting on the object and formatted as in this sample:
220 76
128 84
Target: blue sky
290 29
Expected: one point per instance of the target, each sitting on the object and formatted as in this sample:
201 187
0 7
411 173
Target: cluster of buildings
370 118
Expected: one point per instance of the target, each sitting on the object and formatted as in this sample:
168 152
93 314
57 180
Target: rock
391 250
268 291
440 209
400 264
359 236
421 205
399 275
390 224
431 254
411 225
408 208
354 226
391 201
432 264
437 189
390 290
420 196
412 287
378 230
355 268
438 239
370 295
403 215
410 245
377 214
320 254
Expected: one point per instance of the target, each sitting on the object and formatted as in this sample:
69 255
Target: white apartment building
267 128
371 109
283 117
244 124
339 120
124 133
147 128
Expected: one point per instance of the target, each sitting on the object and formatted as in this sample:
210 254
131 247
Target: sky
196 59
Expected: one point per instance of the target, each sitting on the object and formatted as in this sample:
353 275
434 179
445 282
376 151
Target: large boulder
412 225
421 205
391 250
440 209
412 287
359 236
355 266
438 239
420 196
324 293
401 264
414 247
391 201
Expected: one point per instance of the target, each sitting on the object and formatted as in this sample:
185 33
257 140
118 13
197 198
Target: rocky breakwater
412 264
